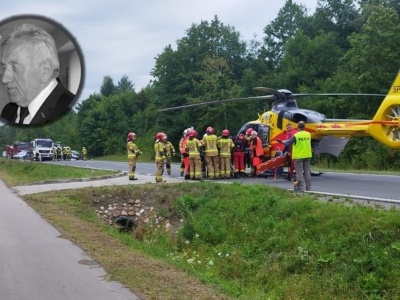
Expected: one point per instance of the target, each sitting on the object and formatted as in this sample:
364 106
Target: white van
42 149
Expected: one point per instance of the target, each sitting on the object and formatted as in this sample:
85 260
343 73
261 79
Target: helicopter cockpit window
292 104
247 126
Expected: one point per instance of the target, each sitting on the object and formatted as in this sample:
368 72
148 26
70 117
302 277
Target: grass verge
16 172
124 259
246 242
235 241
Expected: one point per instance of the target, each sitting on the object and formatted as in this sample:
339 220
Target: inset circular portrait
41 71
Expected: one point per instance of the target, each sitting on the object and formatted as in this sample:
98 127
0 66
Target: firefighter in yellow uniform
170 151
67 153
225 146
133 154
211 153
160 155
84 153
53 153
193 149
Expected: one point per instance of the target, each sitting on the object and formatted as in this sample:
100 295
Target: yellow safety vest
225 146
302 147
192 147
210 144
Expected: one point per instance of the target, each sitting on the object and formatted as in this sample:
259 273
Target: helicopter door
263 134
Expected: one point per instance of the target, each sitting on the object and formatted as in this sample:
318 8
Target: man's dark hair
301 125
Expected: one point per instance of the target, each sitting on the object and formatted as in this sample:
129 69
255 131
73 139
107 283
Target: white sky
120 38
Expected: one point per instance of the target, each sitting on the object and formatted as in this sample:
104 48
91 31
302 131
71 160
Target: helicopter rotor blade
336 95
277 95
282 93
216 102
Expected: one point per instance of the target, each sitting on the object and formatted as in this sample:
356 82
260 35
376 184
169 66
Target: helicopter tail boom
385 126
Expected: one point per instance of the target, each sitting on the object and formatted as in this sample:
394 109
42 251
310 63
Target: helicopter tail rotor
385 126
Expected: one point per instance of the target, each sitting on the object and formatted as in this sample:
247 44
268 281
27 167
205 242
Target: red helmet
130 136
210 130
192 133
249 130
159 135
225 133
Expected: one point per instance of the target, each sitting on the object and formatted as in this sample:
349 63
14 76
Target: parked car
23 155
75 155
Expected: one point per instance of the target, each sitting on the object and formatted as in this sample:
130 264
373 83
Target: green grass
257 242
245 241
16 172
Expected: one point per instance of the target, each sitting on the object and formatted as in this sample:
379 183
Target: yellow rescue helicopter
328 135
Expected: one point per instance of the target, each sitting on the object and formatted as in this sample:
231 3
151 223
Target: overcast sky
120 38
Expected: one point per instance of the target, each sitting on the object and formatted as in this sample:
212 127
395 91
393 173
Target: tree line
344 46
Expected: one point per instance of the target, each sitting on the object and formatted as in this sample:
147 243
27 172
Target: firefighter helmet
130 136
225 133
159 135
192 133
210 130
249 130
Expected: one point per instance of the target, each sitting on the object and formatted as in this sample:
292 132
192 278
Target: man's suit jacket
53 107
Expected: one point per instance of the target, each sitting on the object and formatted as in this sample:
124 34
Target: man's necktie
22 114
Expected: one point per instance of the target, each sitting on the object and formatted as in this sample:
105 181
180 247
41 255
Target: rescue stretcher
270 167
273 163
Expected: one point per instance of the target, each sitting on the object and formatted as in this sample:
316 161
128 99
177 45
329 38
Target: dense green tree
103 129
108 87
177 72
368 67
291 17
125 85
340 17
7 135
308 61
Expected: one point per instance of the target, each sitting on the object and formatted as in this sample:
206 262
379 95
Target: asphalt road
366 186
37 263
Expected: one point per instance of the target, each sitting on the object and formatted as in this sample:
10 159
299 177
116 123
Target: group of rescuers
65 153
212 156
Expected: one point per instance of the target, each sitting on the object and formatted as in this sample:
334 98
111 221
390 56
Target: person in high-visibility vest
193 149
84 153
184 156
209 142
225 146
133 154
256 151
170 151
160 156
301 154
